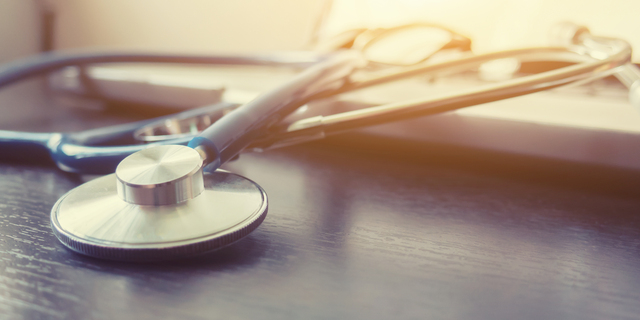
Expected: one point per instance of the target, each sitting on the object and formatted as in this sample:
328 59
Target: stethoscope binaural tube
100 150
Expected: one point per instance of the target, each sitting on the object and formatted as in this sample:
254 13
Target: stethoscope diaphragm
94 220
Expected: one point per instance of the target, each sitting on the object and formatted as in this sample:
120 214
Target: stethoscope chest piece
158 206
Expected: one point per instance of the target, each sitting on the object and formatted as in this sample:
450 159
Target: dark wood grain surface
350 235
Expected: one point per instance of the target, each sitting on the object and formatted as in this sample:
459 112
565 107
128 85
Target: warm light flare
492 24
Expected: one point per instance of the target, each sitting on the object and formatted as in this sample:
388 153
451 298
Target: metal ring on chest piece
158 206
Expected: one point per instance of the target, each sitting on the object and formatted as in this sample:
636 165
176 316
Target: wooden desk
349 235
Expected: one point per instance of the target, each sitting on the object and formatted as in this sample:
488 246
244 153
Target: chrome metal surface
160 175
93 220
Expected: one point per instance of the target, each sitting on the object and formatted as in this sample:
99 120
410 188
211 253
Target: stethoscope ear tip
94 220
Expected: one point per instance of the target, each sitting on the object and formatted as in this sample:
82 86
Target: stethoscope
167 200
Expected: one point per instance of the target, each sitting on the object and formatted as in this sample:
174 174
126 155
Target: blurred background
267 25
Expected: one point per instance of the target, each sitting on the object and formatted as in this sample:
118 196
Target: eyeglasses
398 46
